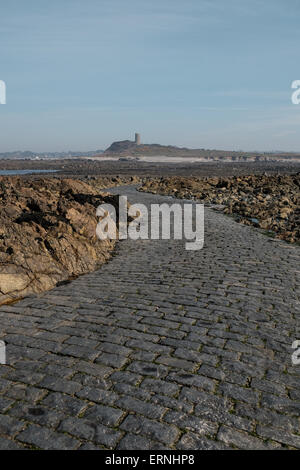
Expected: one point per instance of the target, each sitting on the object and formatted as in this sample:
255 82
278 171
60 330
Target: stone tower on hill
137 138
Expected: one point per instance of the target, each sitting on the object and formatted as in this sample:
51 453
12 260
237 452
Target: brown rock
47 233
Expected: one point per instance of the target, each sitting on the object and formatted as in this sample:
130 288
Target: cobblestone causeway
161 348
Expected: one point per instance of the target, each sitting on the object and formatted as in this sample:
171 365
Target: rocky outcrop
48 233
124 146
121 146
271 203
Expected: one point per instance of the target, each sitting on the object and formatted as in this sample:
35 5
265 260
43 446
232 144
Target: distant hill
123 146
128 148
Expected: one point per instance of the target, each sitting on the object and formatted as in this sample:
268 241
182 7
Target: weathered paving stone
86 430
192 441
134 442
81 352
9 426
268 386
137 392
112 360
104 414
176 363
43 438
284 405
184 353
193 380
206 402
62 361
143 356
114 349
148 346
279 436
90 446
141 407
37 414
60 385
242 440
91 381
153 429
69 405
5 404
212 372
58 370
161 348
150 369
173 403
93 369
83 342
160 386
191 423
106 397
126 377
271 418
239 393
6 444
27 377
31 366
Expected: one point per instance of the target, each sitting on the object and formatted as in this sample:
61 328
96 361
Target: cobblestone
161 348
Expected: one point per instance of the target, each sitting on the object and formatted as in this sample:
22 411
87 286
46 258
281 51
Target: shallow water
24 172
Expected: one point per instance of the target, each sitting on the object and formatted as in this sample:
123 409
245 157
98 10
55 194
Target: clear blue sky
196 73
